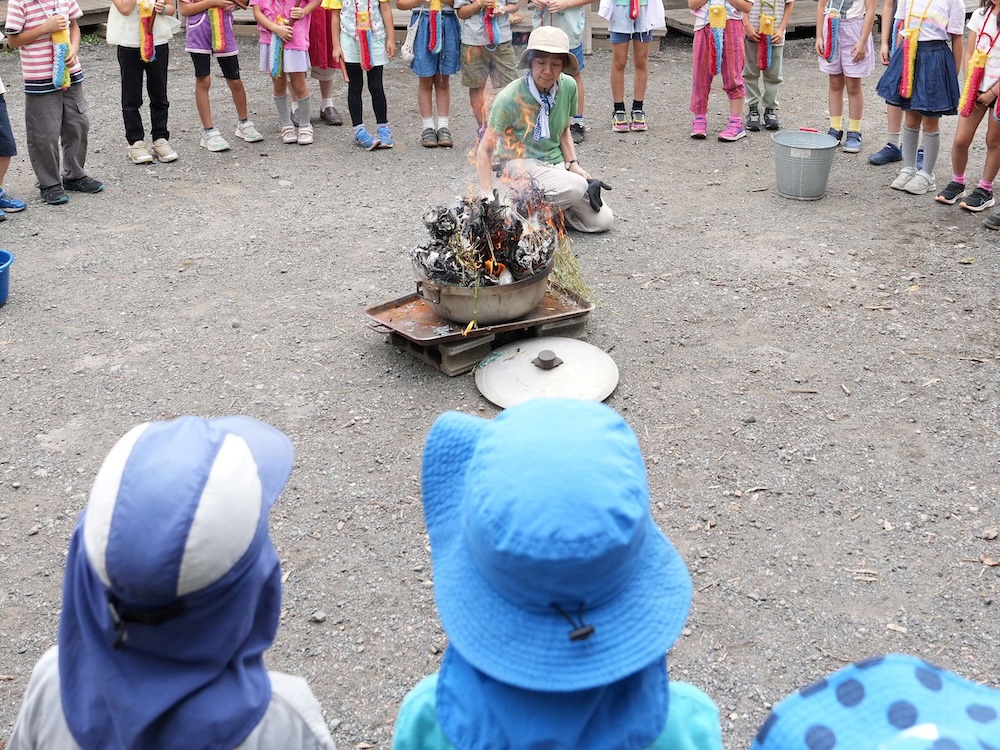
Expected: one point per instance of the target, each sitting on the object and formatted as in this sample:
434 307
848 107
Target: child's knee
203 83
853 86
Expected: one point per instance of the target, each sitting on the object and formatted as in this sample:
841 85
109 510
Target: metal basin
486 305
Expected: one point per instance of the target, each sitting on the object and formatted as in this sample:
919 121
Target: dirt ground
814 384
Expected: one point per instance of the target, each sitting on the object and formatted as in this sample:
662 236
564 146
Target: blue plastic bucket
6 259
802 163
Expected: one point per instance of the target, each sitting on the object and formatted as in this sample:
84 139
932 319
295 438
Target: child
558 592
765 26
976 102
210 34
55 112
434 62
323 68
8 148
922 80
718 32
570 16
364 41
284 23
144 51
631 21
487 51
847 54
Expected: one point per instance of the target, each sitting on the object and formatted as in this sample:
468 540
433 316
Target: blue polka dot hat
892 702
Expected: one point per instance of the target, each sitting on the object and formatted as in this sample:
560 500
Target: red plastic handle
809 130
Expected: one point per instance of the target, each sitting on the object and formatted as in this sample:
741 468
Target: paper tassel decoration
218 35
764 42
973 79
717 21
909 61
277 50
60 49
434 38
147 50
831 30
492 25
363 21
633 9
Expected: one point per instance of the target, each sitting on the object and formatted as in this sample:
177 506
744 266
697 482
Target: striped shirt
37 57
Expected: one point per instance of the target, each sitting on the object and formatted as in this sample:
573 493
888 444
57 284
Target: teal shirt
513 120
692 720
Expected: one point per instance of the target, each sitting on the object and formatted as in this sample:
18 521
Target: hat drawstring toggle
581 631
120 616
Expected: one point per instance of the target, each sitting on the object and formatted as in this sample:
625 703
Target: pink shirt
300 29
37 57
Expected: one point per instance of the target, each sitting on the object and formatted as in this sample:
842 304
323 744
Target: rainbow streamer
492 25
363 22
831 31
60 49
434 37
764 42
277 50
147 50
973 79
909 61
215 18
717 21
633 9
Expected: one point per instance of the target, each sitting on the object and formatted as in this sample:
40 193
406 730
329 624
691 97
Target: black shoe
753 121
771 121
54 195
978 200
992 221
84 185
951 193
576 130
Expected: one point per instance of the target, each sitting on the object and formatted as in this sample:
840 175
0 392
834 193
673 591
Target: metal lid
546 367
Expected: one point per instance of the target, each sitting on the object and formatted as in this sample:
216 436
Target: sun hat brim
529 649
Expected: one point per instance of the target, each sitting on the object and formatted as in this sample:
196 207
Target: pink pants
732 65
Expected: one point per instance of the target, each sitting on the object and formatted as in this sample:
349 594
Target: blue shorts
8 147
577 52
449 60
618 37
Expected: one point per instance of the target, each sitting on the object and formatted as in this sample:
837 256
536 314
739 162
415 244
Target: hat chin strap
581 631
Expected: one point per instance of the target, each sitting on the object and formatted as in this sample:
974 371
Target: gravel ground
814 384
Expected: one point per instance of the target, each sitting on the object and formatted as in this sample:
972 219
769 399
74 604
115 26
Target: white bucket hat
554 41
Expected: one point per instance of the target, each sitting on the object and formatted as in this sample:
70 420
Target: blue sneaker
889 153
838 134
384 136
853 143
365 139
10 205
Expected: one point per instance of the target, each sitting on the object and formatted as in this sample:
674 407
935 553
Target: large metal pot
487 305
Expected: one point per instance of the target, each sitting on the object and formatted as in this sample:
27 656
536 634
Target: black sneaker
978 200
951 193
771 121
578 132
753 120
54 195
84 185
992 221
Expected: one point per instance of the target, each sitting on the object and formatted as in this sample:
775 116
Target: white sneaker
248 132
139 153
213 141
305 136
288 134
163 151
921 183
905 175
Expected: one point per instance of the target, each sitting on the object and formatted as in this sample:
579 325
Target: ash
488 242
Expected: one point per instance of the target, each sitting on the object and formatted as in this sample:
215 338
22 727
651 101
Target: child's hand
297 13
778 37
987 98
540 3
159 6
71 56
337 53
55 23
284 32
819 46
557 6
224 4
752 34
390 48
859 52
883 50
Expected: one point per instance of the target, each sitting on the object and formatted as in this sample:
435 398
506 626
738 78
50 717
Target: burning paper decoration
489 242
973 80
717 18
147 50
60 50
766 30
434 36
277 50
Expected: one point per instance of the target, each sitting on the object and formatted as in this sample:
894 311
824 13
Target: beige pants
566 190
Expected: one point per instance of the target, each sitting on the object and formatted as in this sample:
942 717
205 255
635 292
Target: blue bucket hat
549 571
173 588
892 702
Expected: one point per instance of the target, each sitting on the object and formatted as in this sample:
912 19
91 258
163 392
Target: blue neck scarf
546 103
194 682
477 712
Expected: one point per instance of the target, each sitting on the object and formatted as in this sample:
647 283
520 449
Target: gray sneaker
753 120
771 121
248 132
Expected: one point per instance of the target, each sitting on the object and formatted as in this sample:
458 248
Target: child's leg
477 98
640 75
733 61
855 103
702 72
131 67
442 94
326 91
231 72
300 87
836 101
894 122
4 166
202 86
965 133
772 76
42 122
377 92
619 59
579 88
355 85
932 142
73 134
279 89
751 74
910 139
156 87
425 98
990 168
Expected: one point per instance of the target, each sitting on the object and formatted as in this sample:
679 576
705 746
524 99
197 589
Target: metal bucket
487 305
802 160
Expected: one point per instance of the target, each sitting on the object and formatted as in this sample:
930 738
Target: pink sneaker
619 122
699 127
733 131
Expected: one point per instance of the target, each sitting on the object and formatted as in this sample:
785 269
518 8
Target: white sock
326 103
427 122
442 121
